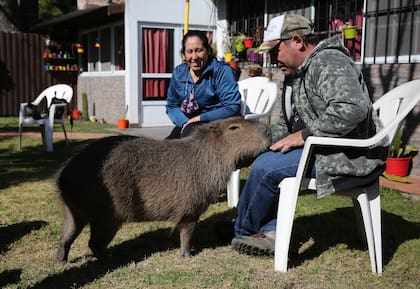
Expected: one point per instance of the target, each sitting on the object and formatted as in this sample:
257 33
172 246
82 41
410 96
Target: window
392 32
160 50
329 18
104 50
157 61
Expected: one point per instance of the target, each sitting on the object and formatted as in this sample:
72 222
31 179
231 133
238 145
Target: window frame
85 34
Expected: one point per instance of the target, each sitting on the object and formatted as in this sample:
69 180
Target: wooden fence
22 73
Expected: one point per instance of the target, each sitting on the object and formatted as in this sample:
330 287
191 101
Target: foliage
85 107
228 43
401 150
239 38
49 9
125 112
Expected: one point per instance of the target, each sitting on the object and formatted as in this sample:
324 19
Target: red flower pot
122 123
398 166
248 42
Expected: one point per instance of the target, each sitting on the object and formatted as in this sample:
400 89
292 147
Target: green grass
10 124
146 255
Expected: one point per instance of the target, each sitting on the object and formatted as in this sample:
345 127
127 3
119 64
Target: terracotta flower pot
397 166
123 123
76 114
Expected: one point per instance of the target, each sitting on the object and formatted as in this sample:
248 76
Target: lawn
146 255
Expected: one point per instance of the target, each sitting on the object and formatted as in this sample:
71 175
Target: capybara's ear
215 129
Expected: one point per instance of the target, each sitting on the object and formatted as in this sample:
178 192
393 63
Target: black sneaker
261 244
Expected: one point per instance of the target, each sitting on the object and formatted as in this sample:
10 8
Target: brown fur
124 179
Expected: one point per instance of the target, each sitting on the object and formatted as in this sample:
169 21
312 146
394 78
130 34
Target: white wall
202 13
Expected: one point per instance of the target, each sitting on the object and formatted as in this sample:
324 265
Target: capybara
122 179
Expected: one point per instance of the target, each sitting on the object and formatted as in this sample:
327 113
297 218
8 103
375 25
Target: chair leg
367 221
65 134
48 136
20 138
285 215
370 207
375 209
233 188
359 220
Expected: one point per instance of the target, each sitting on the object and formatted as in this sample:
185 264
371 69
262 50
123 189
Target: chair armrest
22 111
344 142
255 115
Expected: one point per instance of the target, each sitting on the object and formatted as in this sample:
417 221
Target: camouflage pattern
295 24
284 27
331 97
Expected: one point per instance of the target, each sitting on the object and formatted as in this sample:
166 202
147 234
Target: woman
202 89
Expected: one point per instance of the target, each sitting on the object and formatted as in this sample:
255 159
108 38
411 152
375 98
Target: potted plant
399 159
239 42
228 47
123 122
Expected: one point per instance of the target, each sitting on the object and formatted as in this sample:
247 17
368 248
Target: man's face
289 56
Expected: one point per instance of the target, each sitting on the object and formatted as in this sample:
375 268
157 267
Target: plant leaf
397 178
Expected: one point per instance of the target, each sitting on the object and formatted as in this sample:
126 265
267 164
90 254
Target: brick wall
105 94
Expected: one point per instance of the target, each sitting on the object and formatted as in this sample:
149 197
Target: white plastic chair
47 120
258 98
392 107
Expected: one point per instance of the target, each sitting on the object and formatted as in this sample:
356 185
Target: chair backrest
394 106
59 91
258 95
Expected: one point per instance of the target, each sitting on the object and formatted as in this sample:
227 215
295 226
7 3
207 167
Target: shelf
60 59
68 67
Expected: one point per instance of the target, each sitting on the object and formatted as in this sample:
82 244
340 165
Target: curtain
155 46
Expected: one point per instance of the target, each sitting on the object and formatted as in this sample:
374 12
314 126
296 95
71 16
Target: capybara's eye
234 127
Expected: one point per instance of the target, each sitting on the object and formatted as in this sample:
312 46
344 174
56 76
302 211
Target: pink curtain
155 44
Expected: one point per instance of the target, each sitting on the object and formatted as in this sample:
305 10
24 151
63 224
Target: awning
81 19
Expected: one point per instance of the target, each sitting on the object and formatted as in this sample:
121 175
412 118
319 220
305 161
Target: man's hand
290 141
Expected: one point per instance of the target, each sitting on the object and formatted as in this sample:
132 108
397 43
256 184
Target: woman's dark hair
196 33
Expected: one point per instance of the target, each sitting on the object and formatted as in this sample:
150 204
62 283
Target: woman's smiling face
196 55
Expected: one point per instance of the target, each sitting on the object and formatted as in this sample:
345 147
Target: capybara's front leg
186 231
101 234
73 225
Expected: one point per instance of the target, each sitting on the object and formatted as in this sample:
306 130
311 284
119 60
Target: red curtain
155 45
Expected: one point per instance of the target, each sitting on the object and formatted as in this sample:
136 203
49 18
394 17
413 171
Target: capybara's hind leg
186 231
100 236
73 225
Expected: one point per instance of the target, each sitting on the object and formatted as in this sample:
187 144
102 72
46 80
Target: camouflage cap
285 27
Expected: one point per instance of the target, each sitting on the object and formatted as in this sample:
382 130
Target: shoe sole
251 250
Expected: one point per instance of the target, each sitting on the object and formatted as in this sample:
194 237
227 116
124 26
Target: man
328 98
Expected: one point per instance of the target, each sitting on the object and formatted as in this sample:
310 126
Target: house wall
105 95
383 77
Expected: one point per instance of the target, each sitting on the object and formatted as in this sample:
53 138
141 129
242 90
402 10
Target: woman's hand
290 141
191 120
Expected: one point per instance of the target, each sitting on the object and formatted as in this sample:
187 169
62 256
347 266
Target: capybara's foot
100 254
186 231
186 254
